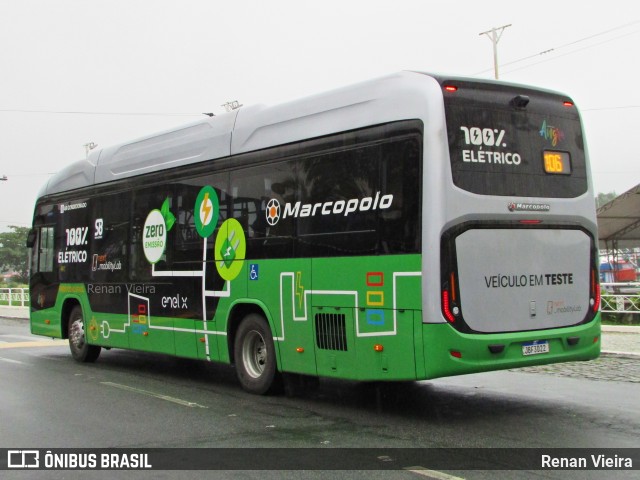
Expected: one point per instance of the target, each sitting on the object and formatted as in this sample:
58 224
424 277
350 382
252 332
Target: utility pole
494 35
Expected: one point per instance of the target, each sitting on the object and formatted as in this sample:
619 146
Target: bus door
44 289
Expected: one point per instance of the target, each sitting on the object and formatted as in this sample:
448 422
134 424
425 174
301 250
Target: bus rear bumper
449 352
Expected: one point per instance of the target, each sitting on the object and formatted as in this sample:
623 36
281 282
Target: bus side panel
442 342
363 311
283 285
185 338
46 322
50 322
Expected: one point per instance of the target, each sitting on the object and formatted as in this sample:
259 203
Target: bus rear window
511 141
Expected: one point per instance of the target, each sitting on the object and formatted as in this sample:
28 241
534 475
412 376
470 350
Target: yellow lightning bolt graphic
299 288
205 208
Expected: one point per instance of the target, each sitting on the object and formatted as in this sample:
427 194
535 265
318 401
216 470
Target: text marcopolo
338 207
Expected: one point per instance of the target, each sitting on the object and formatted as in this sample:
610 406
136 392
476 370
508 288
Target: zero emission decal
230 242
154 235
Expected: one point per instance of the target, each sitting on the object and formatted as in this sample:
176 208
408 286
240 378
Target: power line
600 109
549 50
68 112
573 51
29 174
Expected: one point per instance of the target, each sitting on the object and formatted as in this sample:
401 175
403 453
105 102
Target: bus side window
41 242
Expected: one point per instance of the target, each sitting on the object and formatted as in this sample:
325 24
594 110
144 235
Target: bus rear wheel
80 349
255 356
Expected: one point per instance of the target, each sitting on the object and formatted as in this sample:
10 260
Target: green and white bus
409 227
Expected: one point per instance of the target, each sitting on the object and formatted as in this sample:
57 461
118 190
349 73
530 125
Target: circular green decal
154 236
206 211
230 249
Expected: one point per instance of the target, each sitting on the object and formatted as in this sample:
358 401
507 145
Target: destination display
557 162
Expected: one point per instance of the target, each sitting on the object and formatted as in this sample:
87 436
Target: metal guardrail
620 298
14 297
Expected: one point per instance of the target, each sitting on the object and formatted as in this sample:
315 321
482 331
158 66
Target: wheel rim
76 334
254 354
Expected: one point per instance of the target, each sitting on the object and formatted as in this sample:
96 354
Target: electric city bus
409 227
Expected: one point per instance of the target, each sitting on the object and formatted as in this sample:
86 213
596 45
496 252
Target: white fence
620 298
14 297
616 297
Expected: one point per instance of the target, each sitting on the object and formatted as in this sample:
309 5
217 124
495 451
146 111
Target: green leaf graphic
169 218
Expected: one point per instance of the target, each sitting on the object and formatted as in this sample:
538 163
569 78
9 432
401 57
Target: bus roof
386 99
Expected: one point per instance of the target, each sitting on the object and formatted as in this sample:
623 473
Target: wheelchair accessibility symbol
253 271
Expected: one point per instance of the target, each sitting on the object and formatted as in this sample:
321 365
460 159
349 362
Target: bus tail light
449 301
595 291
451 88
446 306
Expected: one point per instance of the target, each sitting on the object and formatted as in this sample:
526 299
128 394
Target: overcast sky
134 67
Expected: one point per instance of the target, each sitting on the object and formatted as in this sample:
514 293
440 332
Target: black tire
80 349
255 356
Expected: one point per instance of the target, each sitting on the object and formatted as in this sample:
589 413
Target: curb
621 328
629 355
14 313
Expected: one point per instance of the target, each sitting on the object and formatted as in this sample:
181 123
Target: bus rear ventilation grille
331 333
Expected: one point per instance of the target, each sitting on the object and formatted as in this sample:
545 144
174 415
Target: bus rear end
518 259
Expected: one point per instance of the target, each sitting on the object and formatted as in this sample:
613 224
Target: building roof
619 221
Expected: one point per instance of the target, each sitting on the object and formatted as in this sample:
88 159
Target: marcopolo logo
65 207
528 207
274 211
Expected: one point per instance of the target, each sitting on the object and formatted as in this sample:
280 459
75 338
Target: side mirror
31 238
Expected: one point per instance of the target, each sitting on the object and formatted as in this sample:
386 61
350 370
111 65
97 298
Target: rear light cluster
595 291
446 307
449 307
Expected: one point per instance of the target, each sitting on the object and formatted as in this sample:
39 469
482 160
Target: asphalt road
136 400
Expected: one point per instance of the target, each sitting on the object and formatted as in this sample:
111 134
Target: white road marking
40 343
9 360
160 396
435 474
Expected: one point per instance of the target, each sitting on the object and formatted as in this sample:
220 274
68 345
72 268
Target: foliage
604 198
14 255
630 317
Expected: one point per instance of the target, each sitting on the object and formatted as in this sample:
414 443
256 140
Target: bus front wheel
255 357
80 349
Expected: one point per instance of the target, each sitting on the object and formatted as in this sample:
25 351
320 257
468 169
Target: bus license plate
535 348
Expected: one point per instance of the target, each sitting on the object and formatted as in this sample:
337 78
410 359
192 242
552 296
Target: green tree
604 198
14 254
